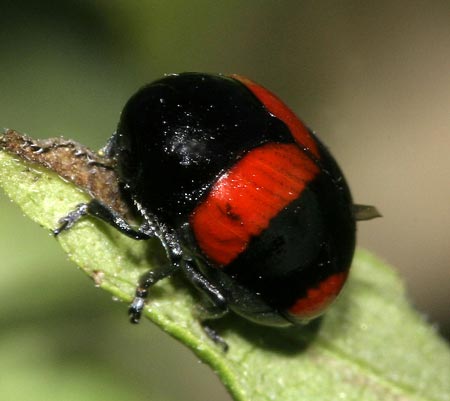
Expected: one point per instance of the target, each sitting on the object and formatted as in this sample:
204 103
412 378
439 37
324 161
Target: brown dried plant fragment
88 170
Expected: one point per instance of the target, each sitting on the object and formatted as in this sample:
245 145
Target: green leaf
371 345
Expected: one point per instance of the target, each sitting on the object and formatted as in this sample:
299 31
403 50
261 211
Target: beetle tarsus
215 337
365 212
135 309
68 221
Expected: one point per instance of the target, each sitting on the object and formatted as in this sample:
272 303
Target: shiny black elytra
245 199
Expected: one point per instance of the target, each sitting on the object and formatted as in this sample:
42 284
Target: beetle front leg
102 212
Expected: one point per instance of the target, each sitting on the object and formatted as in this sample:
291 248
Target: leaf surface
371 345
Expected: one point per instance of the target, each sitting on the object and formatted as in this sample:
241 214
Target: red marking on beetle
275 106
242 202
318 298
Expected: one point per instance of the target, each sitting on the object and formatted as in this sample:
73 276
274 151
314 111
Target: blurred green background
371 77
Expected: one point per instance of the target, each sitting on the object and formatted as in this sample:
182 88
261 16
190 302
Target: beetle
245 199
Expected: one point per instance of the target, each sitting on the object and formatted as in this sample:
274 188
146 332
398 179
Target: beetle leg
174 255
215 337
97 209
217 307
215 297
365 212
145 282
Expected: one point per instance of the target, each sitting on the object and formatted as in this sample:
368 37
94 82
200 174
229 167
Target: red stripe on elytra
275 106
242 202
319 297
